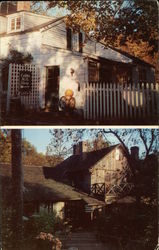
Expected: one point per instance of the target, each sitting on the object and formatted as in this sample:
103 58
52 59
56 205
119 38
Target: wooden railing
108 100
98 190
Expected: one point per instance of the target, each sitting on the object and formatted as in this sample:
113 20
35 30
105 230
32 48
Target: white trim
9 30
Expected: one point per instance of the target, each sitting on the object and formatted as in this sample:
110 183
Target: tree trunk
17 189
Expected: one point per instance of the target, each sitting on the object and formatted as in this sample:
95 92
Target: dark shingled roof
76 163
38 188
134 58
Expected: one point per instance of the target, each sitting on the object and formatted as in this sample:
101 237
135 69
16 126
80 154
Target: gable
77 163
111 161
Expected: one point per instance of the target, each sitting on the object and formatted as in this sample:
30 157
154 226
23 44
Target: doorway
52 87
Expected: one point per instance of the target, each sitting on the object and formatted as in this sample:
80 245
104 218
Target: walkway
85 240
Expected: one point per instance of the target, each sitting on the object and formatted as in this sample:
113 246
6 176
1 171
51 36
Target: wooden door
52 87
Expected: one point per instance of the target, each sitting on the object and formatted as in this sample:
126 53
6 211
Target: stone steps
82 241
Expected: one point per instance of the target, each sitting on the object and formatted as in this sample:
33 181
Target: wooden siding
56 36
31 19
3 24
97 49
108 168
28 42
66 60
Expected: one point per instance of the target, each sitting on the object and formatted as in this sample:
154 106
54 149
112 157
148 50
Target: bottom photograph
79 189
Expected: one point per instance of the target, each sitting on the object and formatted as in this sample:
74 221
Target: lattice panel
31 100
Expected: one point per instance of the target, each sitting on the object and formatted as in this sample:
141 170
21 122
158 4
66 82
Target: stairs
82 241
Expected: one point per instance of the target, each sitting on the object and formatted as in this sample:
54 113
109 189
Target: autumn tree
30 156
14 56
130 25
5 146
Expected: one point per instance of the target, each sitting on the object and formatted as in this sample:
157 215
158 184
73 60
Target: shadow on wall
44 57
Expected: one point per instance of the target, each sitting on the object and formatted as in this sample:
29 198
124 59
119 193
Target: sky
40 138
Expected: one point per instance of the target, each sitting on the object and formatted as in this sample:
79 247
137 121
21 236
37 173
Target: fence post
122 100
130 91
127 98
9 88
104 96
157 99
143 99
119 98
91 100
139 107
134 94
85 99
107 91
94 98
111 101
101 100
147 99
152 98
97 95
115 106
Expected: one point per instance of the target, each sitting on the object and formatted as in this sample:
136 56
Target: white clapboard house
57 52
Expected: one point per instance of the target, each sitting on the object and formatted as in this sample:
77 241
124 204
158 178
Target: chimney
75 149
80 148
135 152
23 5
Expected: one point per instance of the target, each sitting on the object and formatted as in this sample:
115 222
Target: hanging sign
25 82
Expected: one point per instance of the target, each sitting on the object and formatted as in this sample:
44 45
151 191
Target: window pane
18 23
93 72
80 42
69 39
13 24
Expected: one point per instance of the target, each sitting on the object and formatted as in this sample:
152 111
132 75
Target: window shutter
80 42
69 38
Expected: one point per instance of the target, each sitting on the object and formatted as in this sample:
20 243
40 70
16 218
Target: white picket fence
110 100
31 100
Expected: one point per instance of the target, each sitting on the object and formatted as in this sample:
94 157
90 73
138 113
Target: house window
93 72
105 73
69 38
80 42
142 75
18 23
15 24
117 154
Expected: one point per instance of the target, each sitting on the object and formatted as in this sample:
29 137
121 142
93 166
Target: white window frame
15 24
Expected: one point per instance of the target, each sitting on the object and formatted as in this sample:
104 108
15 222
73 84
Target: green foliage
130 224
62 141
42 222
13 57
5 147
30 155
137 18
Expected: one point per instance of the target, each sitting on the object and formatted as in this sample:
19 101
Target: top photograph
79 63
